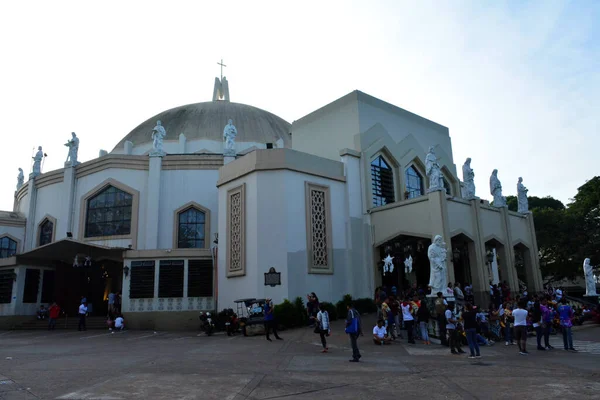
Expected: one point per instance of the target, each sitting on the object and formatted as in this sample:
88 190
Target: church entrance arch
461 244
402 248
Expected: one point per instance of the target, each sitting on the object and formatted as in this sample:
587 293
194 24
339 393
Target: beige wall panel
491 224
409 219
460 218
519 229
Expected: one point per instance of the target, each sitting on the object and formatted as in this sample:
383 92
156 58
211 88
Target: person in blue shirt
270 320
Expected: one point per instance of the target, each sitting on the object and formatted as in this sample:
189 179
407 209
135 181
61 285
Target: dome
207 120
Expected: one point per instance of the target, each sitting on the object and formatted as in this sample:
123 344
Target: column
479 273
538 281
182 142
153 202
509 252
30 226
438 214
69 187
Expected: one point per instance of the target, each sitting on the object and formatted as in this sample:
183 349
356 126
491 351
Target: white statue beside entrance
468 180
496 190
388 265
408 265
495 275
437 261
590 279
433 172
523 203
229 134
158 134
20 179
73 145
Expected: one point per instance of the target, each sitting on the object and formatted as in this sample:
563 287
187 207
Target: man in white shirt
520 316
451 322
119 323
82 313
379 333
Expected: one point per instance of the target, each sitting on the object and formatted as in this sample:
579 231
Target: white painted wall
519 229
460 217
491 223
52 200
16 231
179 187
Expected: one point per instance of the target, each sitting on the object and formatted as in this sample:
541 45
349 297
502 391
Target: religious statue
496 190
73 146
433 171
437 261
408 265
229 134
468 180
20 179
522 197
158 134
388 266
37 162
590 281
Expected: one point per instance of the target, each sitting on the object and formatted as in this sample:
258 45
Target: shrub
341 306
285 314
365 305
331 309
300 312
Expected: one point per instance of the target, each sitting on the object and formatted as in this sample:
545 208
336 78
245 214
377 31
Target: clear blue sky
517 83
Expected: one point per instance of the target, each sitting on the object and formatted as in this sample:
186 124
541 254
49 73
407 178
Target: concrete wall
179 187
491 223
460 217
519 229
17 232
16 306
411 218
52 200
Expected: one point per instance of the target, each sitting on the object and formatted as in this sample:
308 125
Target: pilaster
479 271
153 202
509 252
182 143
30 226
69 187
438 215
533 254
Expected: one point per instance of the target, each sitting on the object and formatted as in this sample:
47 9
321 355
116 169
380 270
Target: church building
211 202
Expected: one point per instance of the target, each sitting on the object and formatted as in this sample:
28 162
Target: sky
517 82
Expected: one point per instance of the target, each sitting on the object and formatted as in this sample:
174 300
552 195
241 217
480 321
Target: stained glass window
109 213
191 229
382 182
46 231
414 183
8 247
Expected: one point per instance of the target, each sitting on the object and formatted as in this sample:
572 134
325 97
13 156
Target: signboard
272 278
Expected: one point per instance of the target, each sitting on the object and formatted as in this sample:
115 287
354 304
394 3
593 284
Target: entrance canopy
65 251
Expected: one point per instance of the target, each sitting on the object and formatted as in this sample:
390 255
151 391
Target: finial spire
222 65
221 91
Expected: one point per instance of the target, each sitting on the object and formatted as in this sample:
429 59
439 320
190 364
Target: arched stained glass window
46 232
382 182
8 247
414 182
109 213
190 232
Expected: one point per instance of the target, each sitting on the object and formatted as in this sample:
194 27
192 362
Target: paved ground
171 365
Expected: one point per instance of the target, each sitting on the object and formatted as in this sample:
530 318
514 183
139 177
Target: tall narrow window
447 186
318 229
190 232
382 182
32 285
8 247
170 278
200 278
141 284
109 213
46 232
236 232
414 182
6 285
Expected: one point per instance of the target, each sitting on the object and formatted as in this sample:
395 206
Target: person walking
423 316
353 329
83 309
470 322
270 320
520 317
566 322
323 323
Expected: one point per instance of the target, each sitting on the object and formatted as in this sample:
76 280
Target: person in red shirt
54 311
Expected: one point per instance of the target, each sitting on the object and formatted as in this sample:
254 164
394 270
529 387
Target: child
120 323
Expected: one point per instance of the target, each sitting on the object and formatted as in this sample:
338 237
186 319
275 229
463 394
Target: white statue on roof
468 180
229 134
158 134
20 179
73 145
433 171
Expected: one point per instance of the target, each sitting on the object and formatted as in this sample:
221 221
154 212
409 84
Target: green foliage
341 306
300 311
285 314
365 305
536 203
332 310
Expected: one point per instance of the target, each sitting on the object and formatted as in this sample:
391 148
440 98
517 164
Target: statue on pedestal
522 197
433 172
37 162
590 281
158 134
437 261
73 146
496 190
229 134
20 179
468 180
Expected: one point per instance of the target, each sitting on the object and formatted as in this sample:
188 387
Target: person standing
324 328
536 318
470 320
409 320
423 316
547 317
111 303
520 316
270 320
83 309
54 312
353 329
451 322
566 316
440 310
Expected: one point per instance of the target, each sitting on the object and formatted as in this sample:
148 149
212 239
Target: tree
536 203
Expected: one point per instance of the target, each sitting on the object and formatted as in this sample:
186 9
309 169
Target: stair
70 323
